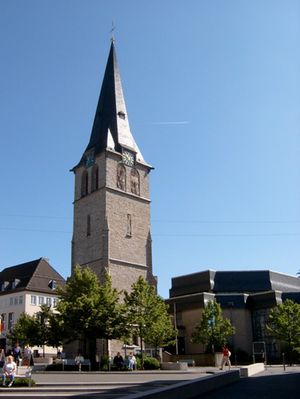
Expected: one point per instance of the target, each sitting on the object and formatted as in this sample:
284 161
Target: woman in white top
131 361
9 371
79 360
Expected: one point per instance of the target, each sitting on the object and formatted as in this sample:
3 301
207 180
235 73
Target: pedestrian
9 371
26 356
17 353
79 359
2 357
118 361
58 353
226 357
131 361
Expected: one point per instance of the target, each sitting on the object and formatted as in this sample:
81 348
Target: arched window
84 183
95 178
121 177
135 182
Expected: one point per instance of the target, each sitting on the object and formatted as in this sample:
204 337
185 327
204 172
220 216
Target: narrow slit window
129 226
88 225
95 178
84 183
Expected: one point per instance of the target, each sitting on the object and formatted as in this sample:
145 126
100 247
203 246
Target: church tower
111 228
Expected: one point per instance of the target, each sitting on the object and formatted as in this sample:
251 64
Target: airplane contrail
171 123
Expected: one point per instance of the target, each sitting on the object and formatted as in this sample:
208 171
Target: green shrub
24 382
150 363
104 363
138 362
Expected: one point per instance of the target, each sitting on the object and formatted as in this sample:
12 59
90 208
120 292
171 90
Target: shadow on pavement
278 386
116 393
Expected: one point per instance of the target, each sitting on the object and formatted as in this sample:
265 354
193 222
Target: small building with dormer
24 288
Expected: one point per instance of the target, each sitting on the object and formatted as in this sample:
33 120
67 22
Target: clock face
128 158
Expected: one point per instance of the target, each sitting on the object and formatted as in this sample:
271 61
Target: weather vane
113 27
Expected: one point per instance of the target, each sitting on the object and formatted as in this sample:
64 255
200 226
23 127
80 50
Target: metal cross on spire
113 27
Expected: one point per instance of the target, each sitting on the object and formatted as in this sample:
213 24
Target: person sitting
9 370
79 359
131 361
118 361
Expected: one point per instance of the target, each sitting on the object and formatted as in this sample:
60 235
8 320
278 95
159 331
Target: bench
24 372
251 369
182 366
190 362
71 362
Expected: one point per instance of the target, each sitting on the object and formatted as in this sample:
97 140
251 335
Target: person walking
17 353
2 357
26 356
226 357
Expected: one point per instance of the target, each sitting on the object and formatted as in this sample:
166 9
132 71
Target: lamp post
175 326
231 306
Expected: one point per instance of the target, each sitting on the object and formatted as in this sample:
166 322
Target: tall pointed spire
111 126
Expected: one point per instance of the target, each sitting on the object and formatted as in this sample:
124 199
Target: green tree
35 330
56 333
110 319
25 331
147 316
284 324
42 318
160 331
89 310
213 329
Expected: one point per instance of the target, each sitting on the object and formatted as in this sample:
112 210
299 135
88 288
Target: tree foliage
36 330
25 330
213 329
88 309
78 304
147 315
160 331
284 324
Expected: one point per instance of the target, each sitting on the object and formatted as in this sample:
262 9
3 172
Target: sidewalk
108 385
161 384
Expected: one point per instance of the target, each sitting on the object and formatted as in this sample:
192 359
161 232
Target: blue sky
212 89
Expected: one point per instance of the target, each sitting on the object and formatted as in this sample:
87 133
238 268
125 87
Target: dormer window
52 284
4 285
121 115
15 283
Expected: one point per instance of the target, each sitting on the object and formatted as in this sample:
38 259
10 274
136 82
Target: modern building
111 229
246 298
24 288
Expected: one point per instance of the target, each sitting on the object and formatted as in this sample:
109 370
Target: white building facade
24 288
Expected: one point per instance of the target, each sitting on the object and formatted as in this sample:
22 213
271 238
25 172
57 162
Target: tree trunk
142 349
